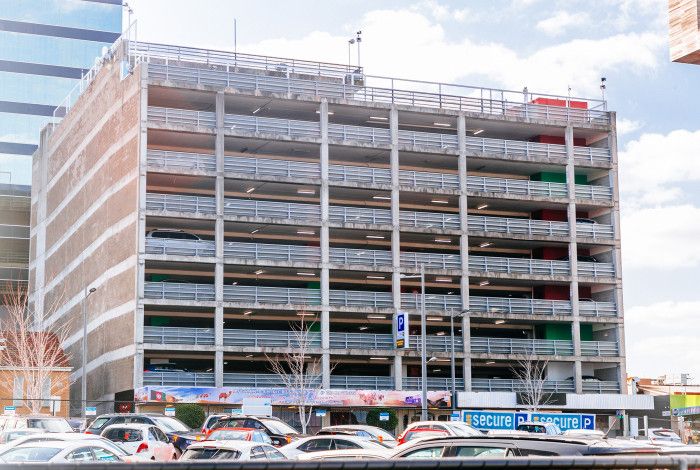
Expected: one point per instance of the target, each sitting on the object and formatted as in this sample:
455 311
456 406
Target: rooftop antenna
358 39
602 86
235 38
350 43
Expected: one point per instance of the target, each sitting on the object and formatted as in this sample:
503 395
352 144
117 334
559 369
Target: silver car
61 451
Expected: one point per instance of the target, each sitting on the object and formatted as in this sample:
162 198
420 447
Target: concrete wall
684 30
84 229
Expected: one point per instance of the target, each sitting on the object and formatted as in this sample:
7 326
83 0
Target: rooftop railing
509 385
174 63
507 346
378 136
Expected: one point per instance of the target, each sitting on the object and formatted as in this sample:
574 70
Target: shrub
373 419
191 414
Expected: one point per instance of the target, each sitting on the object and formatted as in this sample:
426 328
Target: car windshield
170 424
461 429
49 425
278 427
384 435
98 423
226 435
208 453
30 454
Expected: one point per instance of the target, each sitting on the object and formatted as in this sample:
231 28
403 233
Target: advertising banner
500 420
286 397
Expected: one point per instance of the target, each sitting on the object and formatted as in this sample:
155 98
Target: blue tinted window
37 89
49 50
70 13
21 128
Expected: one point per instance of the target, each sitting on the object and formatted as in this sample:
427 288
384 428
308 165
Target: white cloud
627 126
655 161
561 22
661 339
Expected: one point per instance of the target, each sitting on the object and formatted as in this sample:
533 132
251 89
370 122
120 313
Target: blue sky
546 45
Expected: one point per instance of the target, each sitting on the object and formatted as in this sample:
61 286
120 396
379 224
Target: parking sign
402 330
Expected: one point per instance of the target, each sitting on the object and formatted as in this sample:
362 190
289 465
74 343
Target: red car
415 433
239 434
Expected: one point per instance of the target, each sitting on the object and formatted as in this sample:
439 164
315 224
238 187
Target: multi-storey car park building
294 189
14 240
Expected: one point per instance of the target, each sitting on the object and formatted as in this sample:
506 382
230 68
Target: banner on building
287 397
500 420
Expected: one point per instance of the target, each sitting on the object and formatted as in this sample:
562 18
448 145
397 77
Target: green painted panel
586 332
553 331
554 177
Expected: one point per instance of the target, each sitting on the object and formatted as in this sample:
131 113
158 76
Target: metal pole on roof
235 37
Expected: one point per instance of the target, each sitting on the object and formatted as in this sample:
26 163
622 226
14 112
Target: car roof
131 426
57 443
226 444
352 438
65 436
234 429
250 416
346 453
112 415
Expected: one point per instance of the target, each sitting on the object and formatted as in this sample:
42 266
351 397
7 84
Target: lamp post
424 365
452 356
83 382
350 43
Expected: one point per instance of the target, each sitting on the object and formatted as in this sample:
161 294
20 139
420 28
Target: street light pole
452 360
83 382
424 365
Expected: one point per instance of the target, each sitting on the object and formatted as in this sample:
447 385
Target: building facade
14 239
47 46
213 199
684 30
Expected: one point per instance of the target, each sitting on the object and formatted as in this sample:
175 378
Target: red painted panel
562 103
555 139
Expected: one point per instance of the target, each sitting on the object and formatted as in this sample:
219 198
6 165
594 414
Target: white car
449 428
231 450
349 454
323 443
66 437
61 451
145 441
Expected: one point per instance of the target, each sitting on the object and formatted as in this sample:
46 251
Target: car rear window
210 454
98 423
226 435
124 435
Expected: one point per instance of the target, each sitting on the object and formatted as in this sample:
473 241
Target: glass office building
45 47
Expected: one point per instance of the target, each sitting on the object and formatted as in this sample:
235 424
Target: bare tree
532 374
31 353
298 370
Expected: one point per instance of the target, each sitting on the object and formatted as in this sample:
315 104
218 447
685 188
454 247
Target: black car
519 446
280 432
179 434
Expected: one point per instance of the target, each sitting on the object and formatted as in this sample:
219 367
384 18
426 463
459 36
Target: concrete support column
325 249
219 244
464 249
141 228
395 239
617 256
573 255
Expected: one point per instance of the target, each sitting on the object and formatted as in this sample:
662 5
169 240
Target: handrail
522 346
509 385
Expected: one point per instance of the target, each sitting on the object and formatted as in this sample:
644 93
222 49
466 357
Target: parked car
163 368
417 433
66 437
58 451
450 428
581 258
280 432
171 233
368 432
231 450
239 434
9 436
180 435
44 423
517 446
210 422
146 441
663 436
585 220
539 427
321 443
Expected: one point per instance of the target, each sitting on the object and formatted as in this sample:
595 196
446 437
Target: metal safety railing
508 346
377 136
178 335
270 338
165 246
176 116
350 256
430 220
600 386
600 348
434 383
597 269
14 231
593 192
181 379
494 264
368 299
163 159
509 385
430 260
269 209
359 174
271 167
359 215
232 379
284 78
362 382
595 231
271 252
180 203
518 226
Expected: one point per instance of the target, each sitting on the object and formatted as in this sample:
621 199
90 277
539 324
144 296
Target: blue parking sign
402 330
